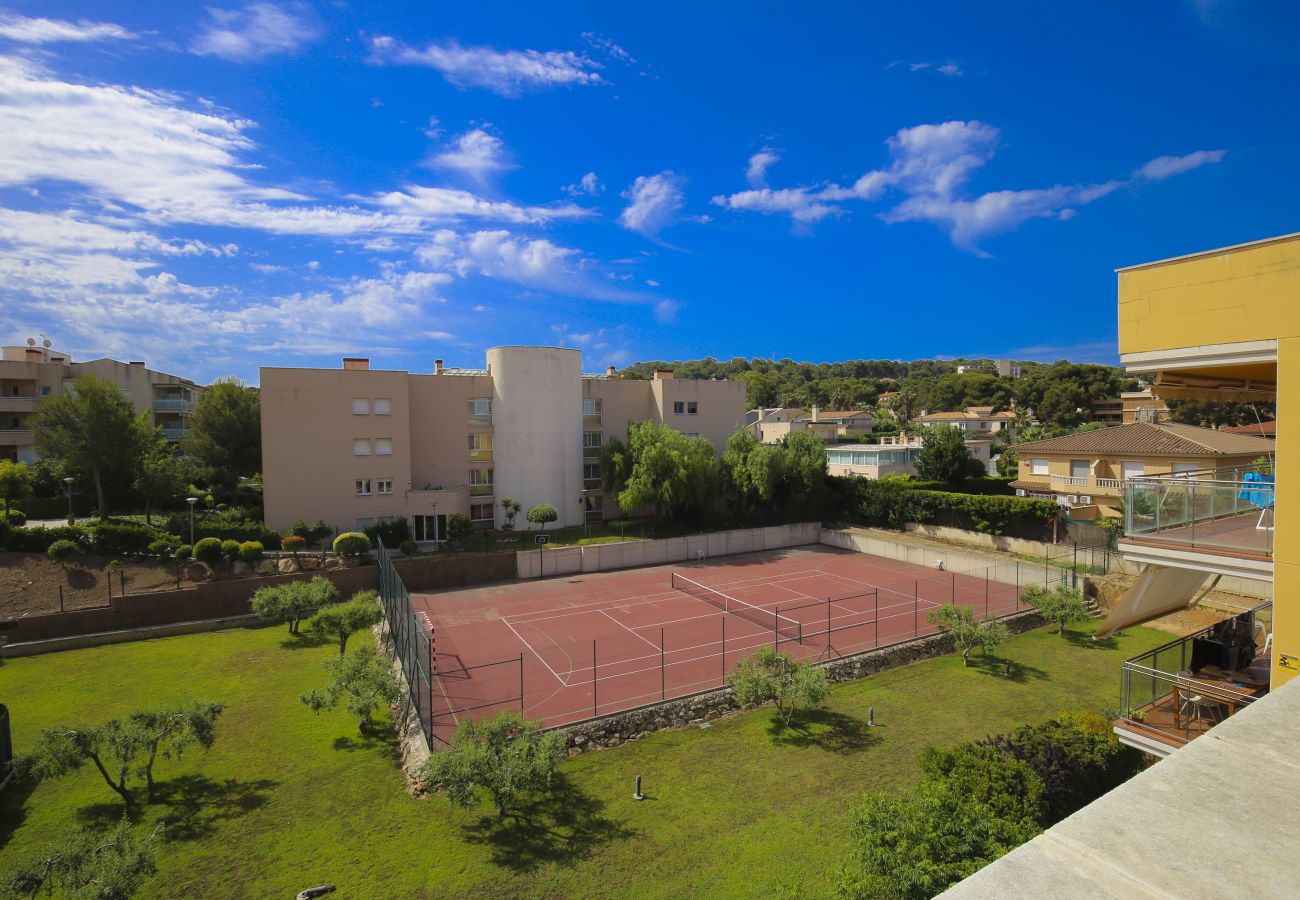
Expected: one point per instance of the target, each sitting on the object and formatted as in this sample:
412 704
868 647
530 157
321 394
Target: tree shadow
80 579
564 827
371 740
13 807
1085 639
824 729
1020 672
195 804
306 640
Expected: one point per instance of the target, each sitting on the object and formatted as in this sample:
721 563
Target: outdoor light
191 501
68 482
638 795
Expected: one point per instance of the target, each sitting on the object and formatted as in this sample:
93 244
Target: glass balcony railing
179 404
481 455
480 490
175 432
1214 511
592 419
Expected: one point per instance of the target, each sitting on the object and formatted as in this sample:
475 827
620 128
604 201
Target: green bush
61 550
230 549
351 543
37 539
294 543
184 552
299 529
236 524
208 550
390 533
408 548
125 538
161 547
459 527
891 503
17 518
250 551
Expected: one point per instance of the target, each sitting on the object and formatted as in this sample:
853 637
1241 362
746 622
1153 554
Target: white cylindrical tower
537 429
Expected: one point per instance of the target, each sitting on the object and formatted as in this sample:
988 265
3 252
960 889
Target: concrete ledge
97 639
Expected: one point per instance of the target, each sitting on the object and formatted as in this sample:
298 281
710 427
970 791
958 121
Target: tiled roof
1261 429
963 415
1031 485
1145 439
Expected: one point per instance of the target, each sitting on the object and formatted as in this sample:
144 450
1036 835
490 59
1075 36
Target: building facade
29 373
1130 407
358 446
770 426
973 420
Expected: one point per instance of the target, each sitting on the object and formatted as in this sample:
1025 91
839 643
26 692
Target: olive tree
107 865
362 681
773 677
292 602
342 620
967 634
1060 603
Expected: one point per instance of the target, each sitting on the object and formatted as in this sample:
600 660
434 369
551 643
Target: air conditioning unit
1072 498
1087 501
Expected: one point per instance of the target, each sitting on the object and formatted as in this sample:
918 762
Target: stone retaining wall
618 728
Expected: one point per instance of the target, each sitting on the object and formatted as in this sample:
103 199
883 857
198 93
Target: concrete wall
1015 572
633 554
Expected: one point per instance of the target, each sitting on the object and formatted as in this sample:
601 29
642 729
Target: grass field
286 799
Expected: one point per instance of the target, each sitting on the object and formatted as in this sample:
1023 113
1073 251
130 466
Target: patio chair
1193 706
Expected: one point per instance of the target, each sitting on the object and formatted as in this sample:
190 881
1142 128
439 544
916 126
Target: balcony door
1134 469
430 528
1079 468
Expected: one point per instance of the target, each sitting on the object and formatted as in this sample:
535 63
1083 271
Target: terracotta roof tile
1145 439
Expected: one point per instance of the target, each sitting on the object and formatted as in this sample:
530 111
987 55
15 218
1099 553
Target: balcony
173 404
1224 512
1180 690
175 432
13 404
481 455
480 490
1098 485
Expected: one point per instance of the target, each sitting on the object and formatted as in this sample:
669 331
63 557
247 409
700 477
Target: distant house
1258 429
1086 472
896 457
770 426
973 420
1130 407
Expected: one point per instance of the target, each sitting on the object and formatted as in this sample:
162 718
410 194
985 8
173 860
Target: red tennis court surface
577 646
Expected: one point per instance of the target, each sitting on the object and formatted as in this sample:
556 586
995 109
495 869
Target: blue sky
214 188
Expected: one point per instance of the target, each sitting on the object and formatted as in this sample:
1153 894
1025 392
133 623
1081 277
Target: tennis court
573 647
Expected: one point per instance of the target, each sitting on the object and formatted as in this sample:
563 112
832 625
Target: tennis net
790 629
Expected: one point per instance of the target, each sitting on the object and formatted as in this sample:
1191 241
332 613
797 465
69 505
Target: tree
504 755
160 476
363 680
1060 604
541 514
943 456
226 434
1065 404
671 472
342 620
509 509
291 601
121 748
967 634
91 430
916 845
459 526
15 483
109 865
352 543
1211 414
1006 785
615 466
773 677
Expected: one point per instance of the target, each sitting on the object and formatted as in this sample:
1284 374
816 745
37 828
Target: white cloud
608 47
1165 166
756 171
506 72
666 310
500 254
25 30
587 184
255 32
931 167
950 69
653 203
442 204
475 153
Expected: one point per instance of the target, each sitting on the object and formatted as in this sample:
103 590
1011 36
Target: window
591 471
678 407
363 487
1133 469
383 407
591 412
1186 469
45 390
480 447
692 434
480 410
692 408
385 485
480 482
595 504
361 447
383 446
363 524
360 407
481 512
591 441
1079 468
1038 467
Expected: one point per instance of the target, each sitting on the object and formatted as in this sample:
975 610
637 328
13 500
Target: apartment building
1130 407
356 446
770 426
973 420
1087 472
28 373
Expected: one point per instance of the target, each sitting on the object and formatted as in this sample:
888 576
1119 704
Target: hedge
892 504
987 485
126 538
38 539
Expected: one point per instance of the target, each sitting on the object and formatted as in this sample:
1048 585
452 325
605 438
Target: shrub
891 503
160 548
250 551
408 548
16 518
59 551
125 538
981 773
459 527
38 539
294 543
208 550
292 601
230 549
351 543
390 533
184 552
299 529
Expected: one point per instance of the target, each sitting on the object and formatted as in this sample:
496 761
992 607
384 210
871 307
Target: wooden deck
1164 721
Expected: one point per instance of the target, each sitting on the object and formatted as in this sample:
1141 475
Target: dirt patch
29 582
1214 608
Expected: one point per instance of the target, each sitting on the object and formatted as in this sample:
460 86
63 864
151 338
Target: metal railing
175 433
412 641
1207 510
173 403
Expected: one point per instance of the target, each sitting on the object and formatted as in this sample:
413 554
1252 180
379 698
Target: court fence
410 640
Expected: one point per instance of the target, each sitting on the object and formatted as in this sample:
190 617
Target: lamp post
71 518
191 501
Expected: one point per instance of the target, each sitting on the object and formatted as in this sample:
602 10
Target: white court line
625 628
538 655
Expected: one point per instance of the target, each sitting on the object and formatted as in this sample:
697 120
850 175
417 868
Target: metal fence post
916 608
521 683
663 679
986 593
593 676
875 618
60 598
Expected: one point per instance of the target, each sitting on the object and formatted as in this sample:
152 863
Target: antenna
31 342
47 343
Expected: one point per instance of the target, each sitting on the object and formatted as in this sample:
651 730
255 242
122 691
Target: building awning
1158 590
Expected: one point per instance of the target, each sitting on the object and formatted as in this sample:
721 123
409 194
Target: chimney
663 374
437 367
356 364
136 362
610 372
815 412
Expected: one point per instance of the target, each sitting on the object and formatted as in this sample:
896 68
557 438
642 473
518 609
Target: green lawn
575 535
286 799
